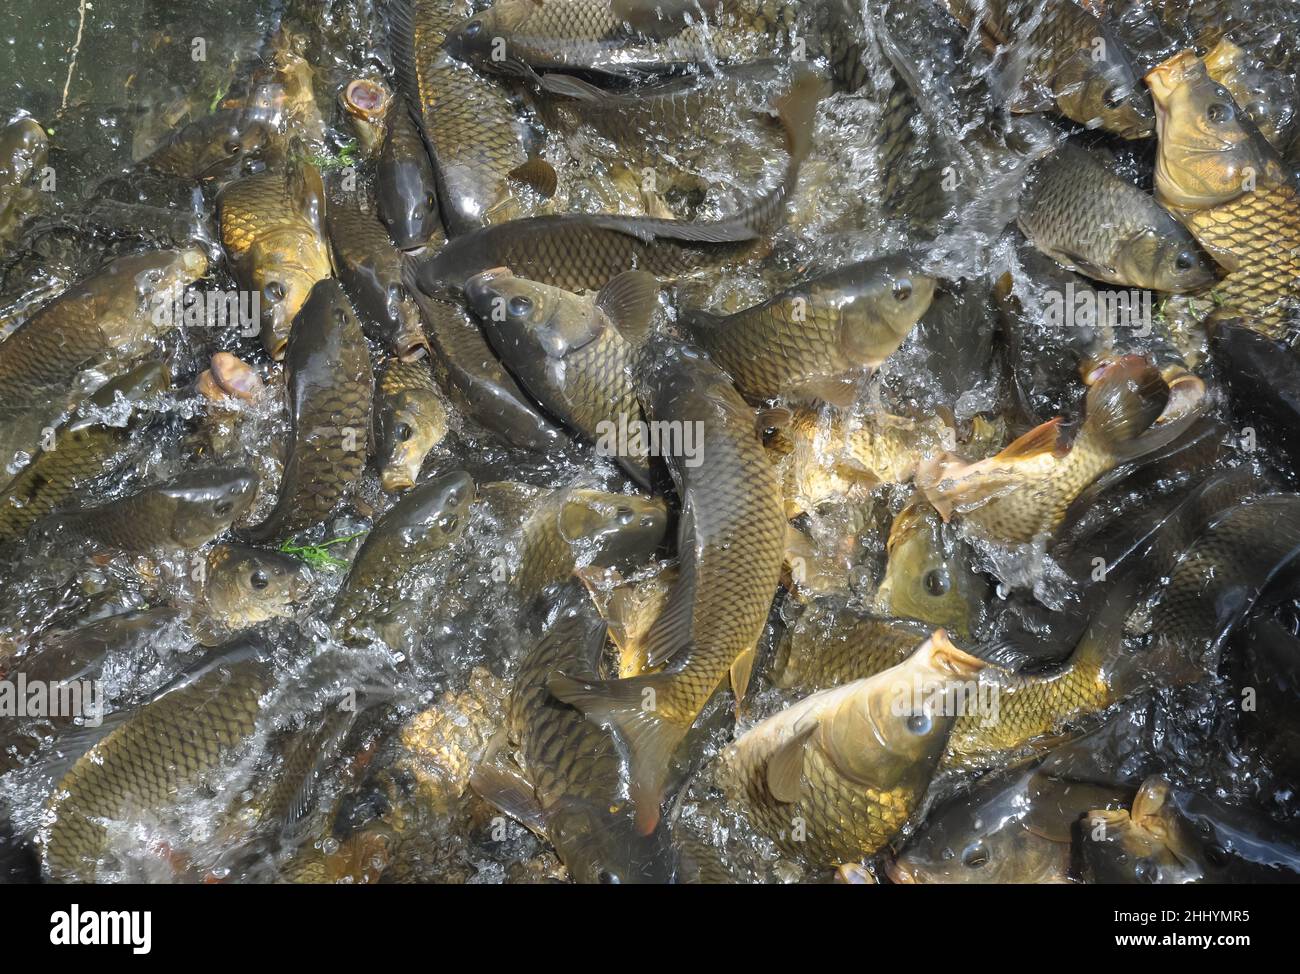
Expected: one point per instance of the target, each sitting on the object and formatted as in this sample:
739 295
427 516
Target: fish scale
1260 231
144 765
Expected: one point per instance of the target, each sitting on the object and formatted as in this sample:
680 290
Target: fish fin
742 669
785 766
567 86
797 110
1101 272
650 739
1123 402
510 792
1045 438
538 174
630 300
648 229
673 631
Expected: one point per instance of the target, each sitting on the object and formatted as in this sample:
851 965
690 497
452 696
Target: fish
410 419
1229 187
111 317
582 252
218 146
244 586
1000 832
406 190
833 455
274 234
849 320
328 375
731 539
1262 378
619 38
1079 212
832 644
183 513
573 353
928 574
24 150
1024 491
465 367
478 144
571 528
1061 56
370 269
189 730
833 778
83 449
426 520
367 102
572 783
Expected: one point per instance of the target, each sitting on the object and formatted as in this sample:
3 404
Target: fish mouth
235 377
366 99
412 348
949 658
395 481
1166 77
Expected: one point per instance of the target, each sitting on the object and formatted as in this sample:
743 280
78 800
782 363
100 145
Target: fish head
283 278
407 197
245 585
894 726
408 426
434 514
601 844
1209 152
156 276
222 144
877 314
1105 93
530 316
609 530
486 36
1169 262
205 503
1267 96
928 575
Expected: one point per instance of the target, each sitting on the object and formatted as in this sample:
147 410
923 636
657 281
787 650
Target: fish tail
630 708
1122 404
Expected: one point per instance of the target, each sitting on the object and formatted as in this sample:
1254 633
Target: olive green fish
731 539
849 320
410 420
244 586
216 146
573 353
327 365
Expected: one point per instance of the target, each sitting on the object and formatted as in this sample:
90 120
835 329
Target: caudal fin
630 708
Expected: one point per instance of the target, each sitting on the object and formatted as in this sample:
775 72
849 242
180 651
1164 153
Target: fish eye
1219 112
402 431
474 28
607 878
259 580
919 723
222 508
902 289
624 515
1115 97
1184 261
453 496
233 147
520 305
936 581
975 856
273 292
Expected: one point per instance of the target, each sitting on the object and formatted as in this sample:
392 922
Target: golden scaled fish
841 456
1023 492
1229 187
244 586
410 419
273 231
832 644
731 539
835 777
822 330
928 574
